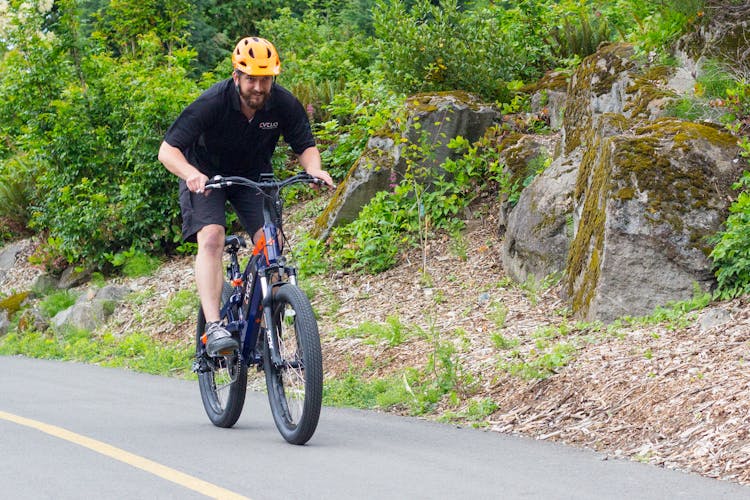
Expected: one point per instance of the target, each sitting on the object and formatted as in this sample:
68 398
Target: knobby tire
295 389
222 400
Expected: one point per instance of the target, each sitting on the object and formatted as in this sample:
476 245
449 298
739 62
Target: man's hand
196 183
324 176
175 161
310 161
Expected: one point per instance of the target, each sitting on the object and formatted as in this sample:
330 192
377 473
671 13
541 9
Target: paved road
77 431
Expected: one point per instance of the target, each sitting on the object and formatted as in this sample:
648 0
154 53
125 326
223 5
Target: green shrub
403 218
440 46
17 180
133 263
309 256
56 302
731 255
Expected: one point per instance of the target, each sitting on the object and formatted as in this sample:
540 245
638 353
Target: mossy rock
648 201
12 303
431 122
614 80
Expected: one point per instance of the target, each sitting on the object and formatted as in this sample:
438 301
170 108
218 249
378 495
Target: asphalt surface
69 430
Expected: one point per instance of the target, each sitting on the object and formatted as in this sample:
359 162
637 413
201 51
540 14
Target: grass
136 351
56 302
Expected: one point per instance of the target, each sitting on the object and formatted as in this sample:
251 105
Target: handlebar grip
216 182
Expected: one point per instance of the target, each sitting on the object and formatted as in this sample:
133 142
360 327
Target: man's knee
211 238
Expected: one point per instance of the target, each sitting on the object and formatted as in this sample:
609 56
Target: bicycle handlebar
219 182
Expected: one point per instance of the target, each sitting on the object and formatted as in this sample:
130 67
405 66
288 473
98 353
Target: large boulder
540 226
373 172
431 120
645 205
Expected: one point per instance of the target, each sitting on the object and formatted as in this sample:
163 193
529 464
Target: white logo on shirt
268 125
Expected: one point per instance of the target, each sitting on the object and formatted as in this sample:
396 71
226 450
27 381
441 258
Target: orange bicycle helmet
256 57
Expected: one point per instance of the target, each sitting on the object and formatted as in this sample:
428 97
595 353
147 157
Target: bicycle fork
270 330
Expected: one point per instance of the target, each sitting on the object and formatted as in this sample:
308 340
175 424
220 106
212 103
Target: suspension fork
272 336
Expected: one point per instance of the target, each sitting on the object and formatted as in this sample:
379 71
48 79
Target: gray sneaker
219 340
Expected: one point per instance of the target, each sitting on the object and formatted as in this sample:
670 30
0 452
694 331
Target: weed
543 365
457 246
393 332
675 314
56 302
309 256
475 412
498 314
503 343
353 390
182 306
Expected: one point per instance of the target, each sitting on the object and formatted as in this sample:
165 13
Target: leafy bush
16 195
434 47
652 26
360 110
318 56
578 32
104 189
133 263
731 255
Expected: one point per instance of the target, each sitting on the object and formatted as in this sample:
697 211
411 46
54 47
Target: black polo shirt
217 138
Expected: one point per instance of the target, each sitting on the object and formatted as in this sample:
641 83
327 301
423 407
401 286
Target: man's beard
254 100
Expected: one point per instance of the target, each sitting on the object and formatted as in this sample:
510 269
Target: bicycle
272 319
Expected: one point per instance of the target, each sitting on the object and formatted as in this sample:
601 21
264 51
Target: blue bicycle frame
251 299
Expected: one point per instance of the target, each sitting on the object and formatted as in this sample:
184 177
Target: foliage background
89 87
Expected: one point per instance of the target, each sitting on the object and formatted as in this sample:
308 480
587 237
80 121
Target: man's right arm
175 161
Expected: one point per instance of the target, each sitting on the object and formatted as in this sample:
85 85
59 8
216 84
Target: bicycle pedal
200 366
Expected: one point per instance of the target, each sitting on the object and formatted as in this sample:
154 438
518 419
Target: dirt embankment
676 395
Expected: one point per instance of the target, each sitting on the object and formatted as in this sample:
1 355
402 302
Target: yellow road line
157 469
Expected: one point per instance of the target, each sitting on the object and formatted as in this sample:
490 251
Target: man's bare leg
209 280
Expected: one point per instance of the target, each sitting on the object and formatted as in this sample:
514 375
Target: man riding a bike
233 129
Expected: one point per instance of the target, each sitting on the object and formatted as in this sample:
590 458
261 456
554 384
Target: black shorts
201 209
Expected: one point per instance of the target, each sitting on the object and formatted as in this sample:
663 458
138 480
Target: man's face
254 90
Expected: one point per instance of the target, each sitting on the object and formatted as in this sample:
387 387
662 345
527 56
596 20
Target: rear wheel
295 386
222 379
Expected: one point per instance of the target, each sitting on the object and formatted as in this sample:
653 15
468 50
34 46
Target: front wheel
295 386
222 379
